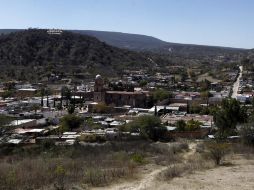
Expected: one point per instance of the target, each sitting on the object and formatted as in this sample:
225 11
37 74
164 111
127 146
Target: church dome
98 76
98 80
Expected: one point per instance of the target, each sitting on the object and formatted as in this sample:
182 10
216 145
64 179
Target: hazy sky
209 22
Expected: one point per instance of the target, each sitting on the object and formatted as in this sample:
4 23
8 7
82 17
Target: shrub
88 138
217 151
173 171
190 125
181 125
247 134
60 175
138 158
101 108
193 125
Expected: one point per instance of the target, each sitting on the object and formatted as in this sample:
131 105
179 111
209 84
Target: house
26 92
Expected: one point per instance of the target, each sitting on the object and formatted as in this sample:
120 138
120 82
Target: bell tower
99 91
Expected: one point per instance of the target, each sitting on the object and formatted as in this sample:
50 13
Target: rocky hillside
35 48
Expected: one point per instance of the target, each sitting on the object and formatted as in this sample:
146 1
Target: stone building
118 98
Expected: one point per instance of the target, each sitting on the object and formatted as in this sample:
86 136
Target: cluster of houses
246 87
37 118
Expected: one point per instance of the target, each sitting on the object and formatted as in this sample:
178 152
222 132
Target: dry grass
36 173
197 163
50 167
244 150
169 153
61 167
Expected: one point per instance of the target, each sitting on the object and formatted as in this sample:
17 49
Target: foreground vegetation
50 167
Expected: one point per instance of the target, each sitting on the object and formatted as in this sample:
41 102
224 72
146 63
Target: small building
23 123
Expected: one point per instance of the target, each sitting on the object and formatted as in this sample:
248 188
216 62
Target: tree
35 107
190 125
148 126
195 108
180 125
47 93
192 75
184 75
59 106
160 94
71 109
228 116
101 108
4 120
193 125
7 94
42 93
205 94
66 94
70 122
143 83
205 85
247 134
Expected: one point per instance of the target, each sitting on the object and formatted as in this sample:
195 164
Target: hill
66 52
139 42
124 40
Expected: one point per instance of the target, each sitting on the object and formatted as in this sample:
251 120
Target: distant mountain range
147 43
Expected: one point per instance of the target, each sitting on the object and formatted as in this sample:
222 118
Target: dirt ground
238 174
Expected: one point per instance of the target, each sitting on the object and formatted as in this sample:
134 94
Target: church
118 98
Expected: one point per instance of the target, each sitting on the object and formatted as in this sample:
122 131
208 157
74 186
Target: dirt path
239 175
191 152
149 177
146 180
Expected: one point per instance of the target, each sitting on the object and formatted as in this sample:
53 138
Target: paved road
237 83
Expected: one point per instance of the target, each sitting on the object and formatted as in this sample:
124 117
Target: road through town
237 83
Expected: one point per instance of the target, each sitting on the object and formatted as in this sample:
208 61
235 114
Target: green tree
42 93
66 94
35 107
70 122
160 94
4 120
228 116
59 106
47 93
247 134
184 75
148 126
181 125
71 109
205 94
195 108
7 94
143 83
193 125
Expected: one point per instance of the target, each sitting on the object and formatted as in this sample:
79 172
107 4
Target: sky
207 22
